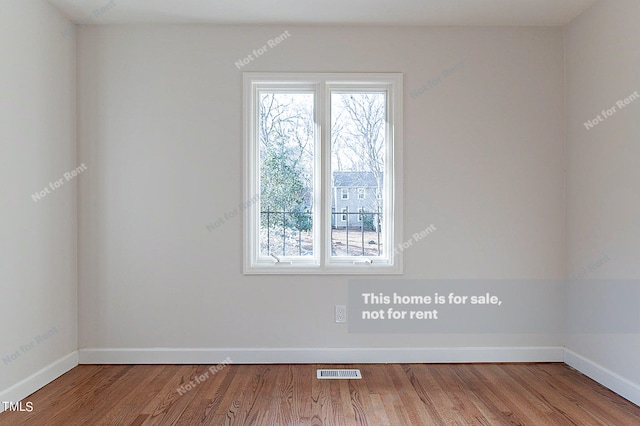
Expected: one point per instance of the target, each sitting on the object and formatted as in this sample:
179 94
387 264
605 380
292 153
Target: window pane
358 135
286 130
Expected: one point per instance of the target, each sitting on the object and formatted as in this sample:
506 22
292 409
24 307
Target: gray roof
354 179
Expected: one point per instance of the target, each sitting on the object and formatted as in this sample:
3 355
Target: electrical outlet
341 313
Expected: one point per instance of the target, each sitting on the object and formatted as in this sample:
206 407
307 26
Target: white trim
39 379
612 380
322 262
320 355
390 262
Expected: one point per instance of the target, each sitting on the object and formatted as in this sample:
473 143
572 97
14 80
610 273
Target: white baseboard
604 376
321 355
39 379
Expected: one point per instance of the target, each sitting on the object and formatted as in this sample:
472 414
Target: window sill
332 269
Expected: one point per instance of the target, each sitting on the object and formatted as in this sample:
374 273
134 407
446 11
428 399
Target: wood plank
201 409
419 412
494 409
168 405
567 396
388 394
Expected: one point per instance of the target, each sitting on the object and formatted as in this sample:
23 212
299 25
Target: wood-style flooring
388 394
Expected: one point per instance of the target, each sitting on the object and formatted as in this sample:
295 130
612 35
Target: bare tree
358 133
286 131
366 112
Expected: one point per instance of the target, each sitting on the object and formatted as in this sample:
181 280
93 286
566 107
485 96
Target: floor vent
339 374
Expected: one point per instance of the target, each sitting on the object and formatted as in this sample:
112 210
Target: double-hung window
308 140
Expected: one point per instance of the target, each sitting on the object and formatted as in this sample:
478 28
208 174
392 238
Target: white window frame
344 193
322 262
361 193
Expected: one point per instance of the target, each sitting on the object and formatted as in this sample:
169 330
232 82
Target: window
308 139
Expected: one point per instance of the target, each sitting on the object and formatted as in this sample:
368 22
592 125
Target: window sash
323 85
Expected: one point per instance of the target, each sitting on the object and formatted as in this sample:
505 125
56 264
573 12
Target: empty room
286 212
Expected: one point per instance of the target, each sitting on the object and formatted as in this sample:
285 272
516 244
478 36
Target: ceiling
327 12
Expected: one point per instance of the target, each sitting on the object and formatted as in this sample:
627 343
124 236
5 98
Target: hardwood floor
388 394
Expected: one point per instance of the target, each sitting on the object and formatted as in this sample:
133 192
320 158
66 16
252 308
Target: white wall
160 126
160 131
38 240
603 186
